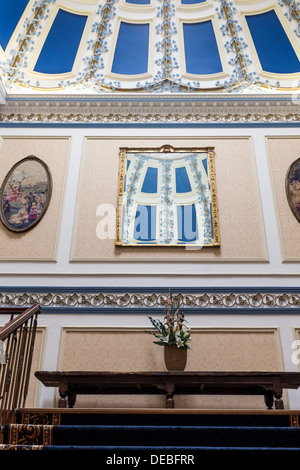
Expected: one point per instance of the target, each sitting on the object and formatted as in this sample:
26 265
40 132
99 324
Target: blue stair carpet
153 436
155 439
158 419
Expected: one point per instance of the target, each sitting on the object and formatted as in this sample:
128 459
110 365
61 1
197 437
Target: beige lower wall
241 224
131 349
88 348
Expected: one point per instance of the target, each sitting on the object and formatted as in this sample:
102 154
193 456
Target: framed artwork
167 197
292 186
25 194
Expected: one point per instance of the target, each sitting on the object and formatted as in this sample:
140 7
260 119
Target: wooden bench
268 384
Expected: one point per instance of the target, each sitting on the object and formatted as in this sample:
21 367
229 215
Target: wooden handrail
18 336
15 323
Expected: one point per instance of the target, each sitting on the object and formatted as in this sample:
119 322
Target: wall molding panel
126 348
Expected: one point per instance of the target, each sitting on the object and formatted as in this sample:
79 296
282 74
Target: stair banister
17 338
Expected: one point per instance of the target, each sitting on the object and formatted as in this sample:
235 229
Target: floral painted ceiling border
92 74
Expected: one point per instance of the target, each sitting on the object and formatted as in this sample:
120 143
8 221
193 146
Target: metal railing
17 339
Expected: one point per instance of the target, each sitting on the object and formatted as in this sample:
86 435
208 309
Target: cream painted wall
240 219
248 272
244 264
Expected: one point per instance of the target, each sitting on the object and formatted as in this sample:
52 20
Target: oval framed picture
25 194
292 187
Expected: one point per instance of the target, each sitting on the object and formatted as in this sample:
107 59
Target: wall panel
241 225
131 349
282 153
30 245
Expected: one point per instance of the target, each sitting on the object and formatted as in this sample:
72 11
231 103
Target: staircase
135 436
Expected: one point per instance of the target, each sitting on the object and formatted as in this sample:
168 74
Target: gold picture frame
292 187
25 194
179 204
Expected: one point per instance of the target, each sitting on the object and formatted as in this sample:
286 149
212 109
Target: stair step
113 451
155 436
152 417
147 434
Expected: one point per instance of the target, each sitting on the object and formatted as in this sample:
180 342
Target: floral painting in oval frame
25 194
293 188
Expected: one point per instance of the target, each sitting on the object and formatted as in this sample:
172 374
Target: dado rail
268 384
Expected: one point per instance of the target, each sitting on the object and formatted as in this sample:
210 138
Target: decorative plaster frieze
267 108
202 300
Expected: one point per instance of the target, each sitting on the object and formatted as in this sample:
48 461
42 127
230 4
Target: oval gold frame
288 188
48 198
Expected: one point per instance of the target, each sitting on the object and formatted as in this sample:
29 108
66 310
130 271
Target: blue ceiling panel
201 50
191 2
273 47
139 2
61 45
10 14
131 52
148 46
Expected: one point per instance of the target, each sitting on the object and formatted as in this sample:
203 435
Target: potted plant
173 334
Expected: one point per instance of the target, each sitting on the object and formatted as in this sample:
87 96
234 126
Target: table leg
62 402
63 393
269 399
278 397
71 399
278 402
169 396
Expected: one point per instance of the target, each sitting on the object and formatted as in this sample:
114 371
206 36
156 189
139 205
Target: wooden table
268 384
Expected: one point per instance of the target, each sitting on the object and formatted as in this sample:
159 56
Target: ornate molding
167 73
158 109
138 300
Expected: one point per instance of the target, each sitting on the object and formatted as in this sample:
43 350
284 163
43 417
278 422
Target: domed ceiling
164 46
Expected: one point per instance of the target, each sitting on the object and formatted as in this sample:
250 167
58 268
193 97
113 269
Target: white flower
179 341
165 339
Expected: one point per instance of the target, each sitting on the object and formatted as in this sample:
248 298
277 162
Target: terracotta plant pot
175 358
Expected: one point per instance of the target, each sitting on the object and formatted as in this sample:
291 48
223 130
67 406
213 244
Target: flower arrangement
173 329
